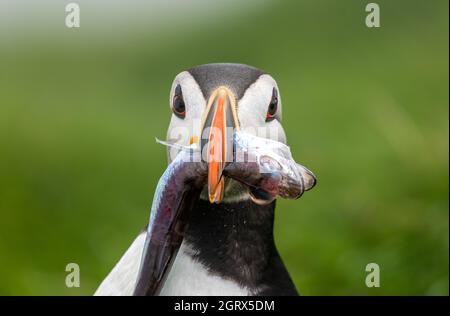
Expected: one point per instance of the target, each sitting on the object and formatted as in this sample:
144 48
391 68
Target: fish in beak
218 125
271 172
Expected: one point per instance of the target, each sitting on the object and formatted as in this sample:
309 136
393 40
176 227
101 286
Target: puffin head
208 102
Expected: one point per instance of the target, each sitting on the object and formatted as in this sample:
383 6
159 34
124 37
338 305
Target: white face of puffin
186 119
258 112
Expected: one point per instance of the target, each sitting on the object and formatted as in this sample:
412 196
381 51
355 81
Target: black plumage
235 241
237 77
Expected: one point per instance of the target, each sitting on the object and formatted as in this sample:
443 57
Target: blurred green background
365 109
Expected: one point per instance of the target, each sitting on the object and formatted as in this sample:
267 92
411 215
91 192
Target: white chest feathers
187 276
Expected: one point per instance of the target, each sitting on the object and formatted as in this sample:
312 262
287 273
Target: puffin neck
233 240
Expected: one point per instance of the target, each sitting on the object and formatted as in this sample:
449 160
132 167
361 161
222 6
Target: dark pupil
178 101
179 104
274 102
273 107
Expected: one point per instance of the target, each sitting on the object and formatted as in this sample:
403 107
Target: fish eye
273 106
178 106
270 163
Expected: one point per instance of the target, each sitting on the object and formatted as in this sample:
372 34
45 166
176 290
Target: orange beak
218 125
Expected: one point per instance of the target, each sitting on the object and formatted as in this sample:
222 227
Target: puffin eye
178 106
273 106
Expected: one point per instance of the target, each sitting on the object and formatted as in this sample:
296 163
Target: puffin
228 247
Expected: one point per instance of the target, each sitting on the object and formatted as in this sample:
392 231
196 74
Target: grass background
365 109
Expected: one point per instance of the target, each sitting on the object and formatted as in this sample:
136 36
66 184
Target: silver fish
266 167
